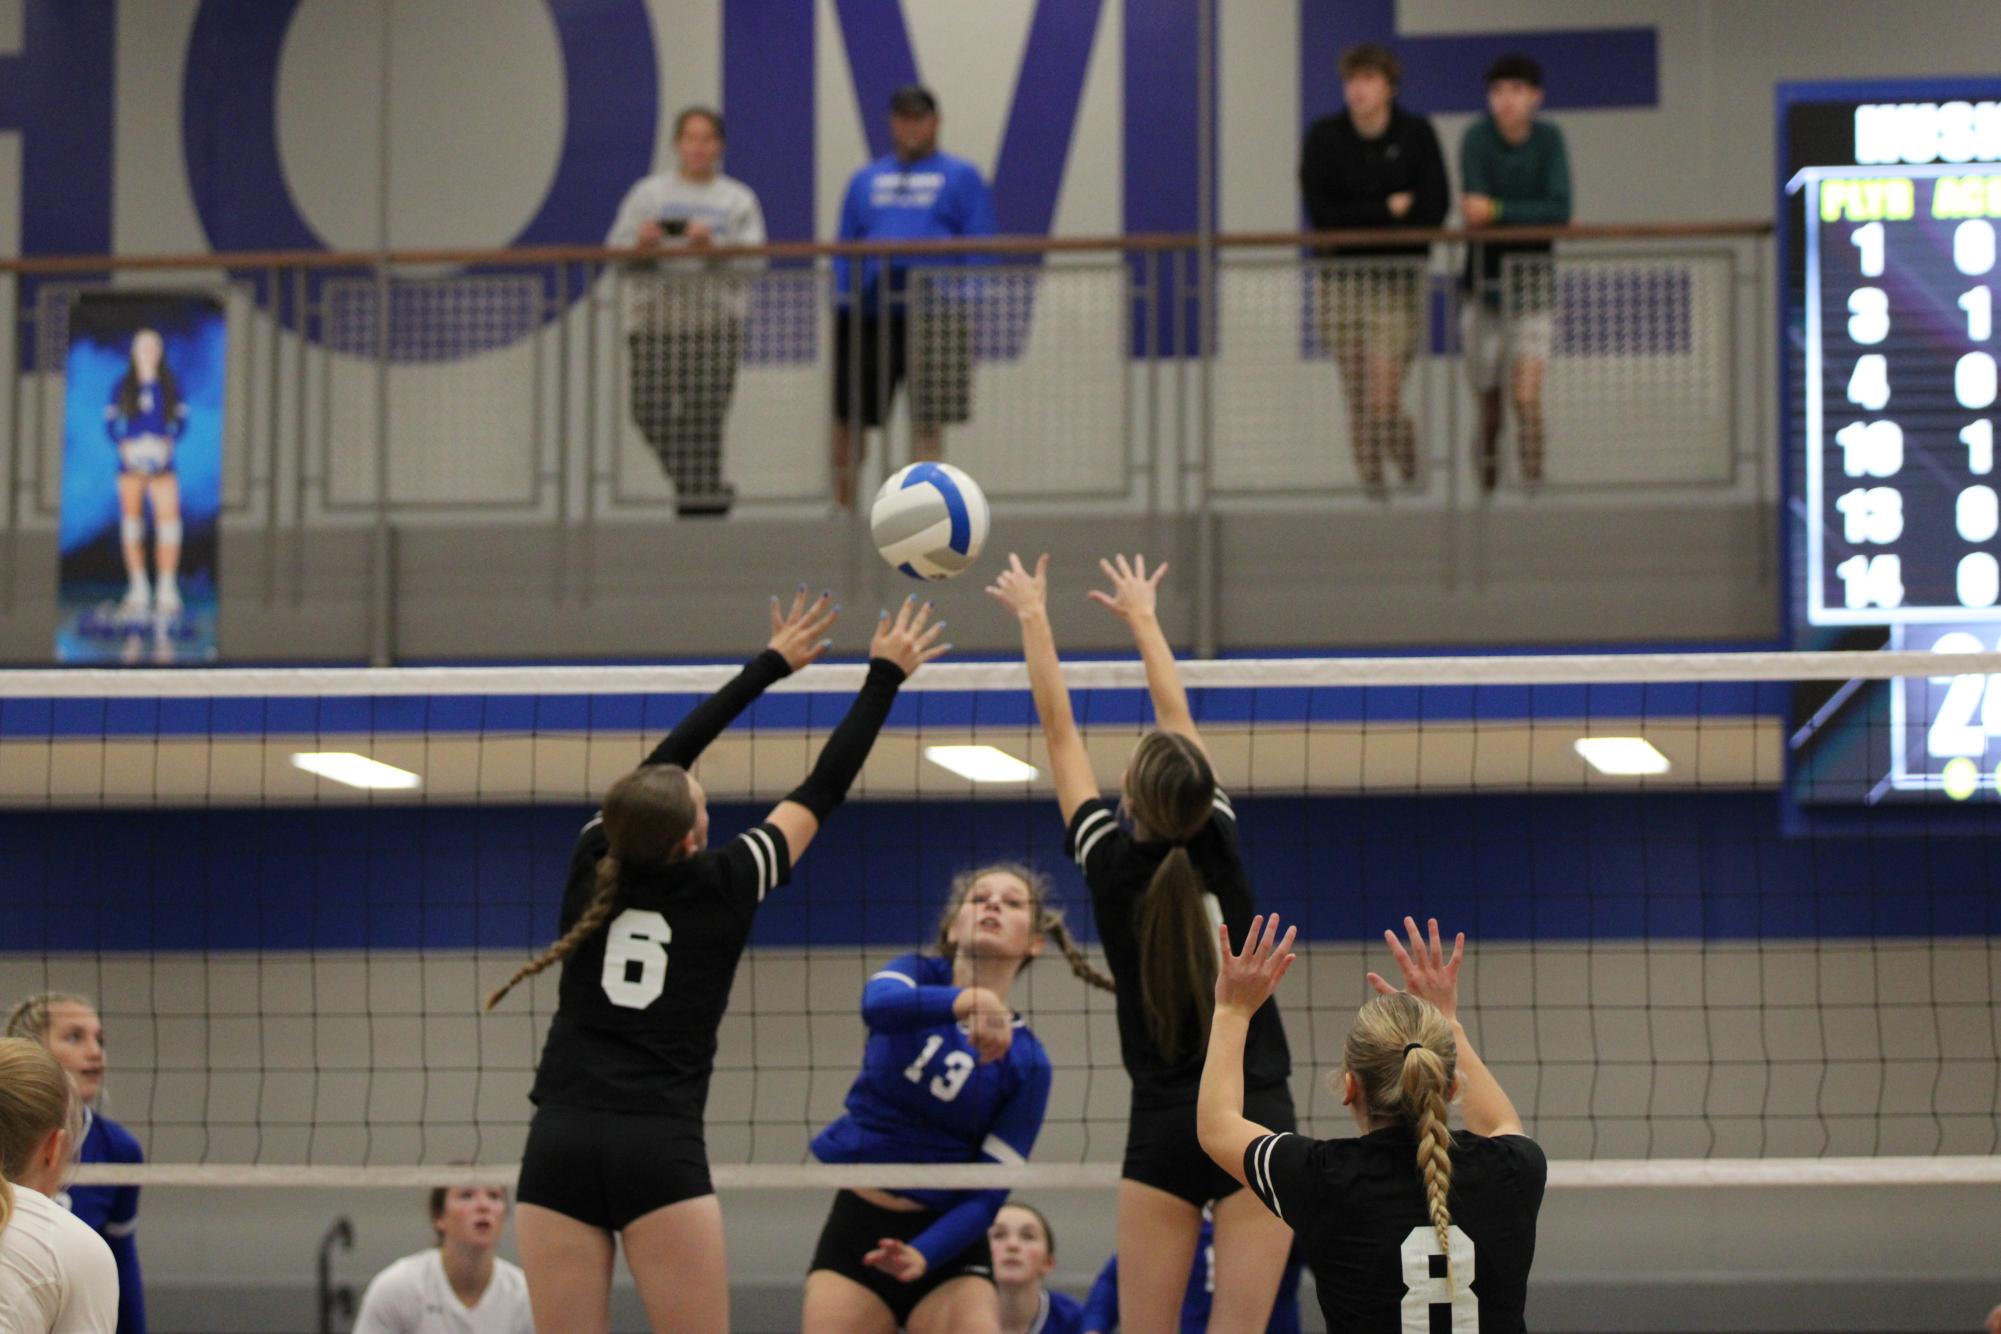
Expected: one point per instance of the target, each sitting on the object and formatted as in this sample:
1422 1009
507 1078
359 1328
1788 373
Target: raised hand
1427 973
905 640
1246 980
898 1259
1019 591
800 635
1133 589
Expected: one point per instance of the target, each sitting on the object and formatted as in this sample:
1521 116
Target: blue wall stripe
1681 866
27 719
1583 68
769 79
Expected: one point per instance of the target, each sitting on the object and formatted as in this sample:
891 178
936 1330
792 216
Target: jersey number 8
958 1069
638 936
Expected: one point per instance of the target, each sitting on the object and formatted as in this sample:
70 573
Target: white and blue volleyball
930 521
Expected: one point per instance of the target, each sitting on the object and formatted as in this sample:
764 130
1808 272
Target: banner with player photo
142 479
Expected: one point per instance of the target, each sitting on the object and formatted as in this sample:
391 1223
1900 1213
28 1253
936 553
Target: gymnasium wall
175 126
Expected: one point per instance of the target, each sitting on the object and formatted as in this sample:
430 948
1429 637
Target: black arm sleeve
705 722
847 749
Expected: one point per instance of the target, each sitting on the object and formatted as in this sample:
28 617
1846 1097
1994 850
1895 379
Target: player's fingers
930 636
1286 941
1382 987
1416 938
1042 566
777 621
1159 572
1102 599
1397 951
1014 563
933 654
1285 962
798 603
1270 935
1125 567
1458 951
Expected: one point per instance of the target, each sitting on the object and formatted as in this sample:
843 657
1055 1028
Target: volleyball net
1733 917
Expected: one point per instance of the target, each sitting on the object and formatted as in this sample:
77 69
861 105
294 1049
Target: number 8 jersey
641 1000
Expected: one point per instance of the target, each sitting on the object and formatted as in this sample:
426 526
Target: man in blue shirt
916 193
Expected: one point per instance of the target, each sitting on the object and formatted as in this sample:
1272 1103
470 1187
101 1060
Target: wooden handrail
530 256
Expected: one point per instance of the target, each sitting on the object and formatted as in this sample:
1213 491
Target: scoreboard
1899 394
1890 236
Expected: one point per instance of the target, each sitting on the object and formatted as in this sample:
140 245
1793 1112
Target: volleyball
930 521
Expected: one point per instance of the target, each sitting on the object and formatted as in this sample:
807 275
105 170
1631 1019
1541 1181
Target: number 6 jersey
641 1000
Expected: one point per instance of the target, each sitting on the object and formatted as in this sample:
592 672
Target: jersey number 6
637 937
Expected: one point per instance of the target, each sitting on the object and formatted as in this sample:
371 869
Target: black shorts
855 1227
941 382
608 1168
1162 1150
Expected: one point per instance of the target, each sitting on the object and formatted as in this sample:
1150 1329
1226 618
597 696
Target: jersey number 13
635 958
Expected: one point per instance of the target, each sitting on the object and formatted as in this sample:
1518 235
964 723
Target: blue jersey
113 1213
923 1097
1059 1315
1101 1309
935 197
152 418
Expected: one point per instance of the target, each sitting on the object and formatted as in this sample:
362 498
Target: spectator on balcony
915 193
1374 166
686 331
1514 173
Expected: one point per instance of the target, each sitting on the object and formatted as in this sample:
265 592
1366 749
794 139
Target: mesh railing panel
1028 368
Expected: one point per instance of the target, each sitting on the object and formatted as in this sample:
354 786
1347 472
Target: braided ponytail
1402 1053
647 815
1424 1083
595 914
1058 930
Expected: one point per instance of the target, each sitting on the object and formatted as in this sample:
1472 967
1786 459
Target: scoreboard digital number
1890 236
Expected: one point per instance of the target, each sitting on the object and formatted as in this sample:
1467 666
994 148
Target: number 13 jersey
641 999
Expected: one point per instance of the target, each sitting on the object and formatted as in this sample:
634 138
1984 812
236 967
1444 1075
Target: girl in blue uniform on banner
69 1027
950 1075
142 479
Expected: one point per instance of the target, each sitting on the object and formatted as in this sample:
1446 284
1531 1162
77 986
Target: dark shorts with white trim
1162 1150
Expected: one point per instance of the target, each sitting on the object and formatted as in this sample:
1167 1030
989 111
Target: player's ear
688 846
1351 1088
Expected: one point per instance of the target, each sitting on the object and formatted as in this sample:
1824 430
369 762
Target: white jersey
413 1296
56 1275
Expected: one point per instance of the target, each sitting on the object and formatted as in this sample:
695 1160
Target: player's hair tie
1410 1047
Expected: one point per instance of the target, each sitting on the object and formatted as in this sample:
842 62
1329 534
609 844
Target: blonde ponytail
1402 1053
1425 1080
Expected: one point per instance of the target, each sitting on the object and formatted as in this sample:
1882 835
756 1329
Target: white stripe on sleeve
766 858
904 978
1001 1151
1096 825
1223 804
124 1229
1261 1173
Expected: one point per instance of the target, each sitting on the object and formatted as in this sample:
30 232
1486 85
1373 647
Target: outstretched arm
1027 596
1429 975
1132 600
901 645
1243 983
798 637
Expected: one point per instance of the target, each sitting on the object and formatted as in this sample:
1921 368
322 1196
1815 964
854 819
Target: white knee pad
132 530
170 532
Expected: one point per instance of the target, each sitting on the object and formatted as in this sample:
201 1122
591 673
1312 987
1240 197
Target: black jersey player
653 923
1406 1226
1163 870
